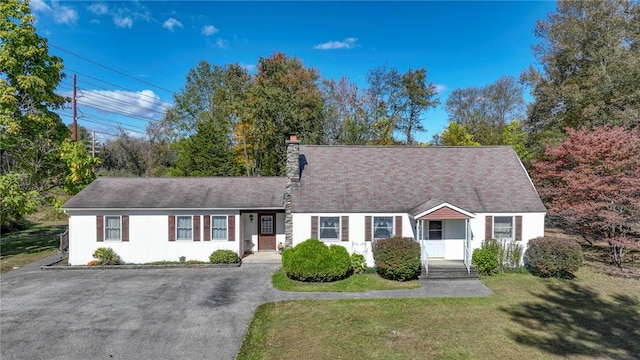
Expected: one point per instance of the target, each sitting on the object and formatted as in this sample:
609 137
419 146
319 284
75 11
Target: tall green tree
397 102
209 108
346 121
284 97
589 52
456 135
486 110
35 151
419 97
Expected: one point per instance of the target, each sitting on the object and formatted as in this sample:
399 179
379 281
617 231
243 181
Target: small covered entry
444 233
262 230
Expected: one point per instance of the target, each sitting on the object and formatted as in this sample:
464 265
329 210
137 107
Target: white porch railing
424 256
467 246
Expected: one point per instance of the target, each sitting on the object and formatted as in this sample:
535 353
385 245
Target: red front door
267 231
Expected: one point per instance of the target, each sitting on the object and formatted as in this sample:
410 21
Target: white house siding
148 238
532 226
356 243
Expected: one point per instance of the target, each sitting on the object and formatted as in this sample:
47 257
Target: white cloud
64 14
123 22
98 9
171 23
39 5
209 30
347 43
222 43
143 103
440 88
61 14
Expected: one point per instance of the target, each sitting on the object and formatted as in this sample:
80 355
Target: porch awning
444 213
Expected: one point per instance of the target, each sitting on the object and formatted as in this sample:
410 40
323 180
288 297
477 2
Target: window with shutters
219 229
503 227
382 227
329 228
184 228
112 228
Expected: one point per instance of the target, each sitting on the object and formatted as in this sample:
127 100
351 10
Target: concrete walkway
192 313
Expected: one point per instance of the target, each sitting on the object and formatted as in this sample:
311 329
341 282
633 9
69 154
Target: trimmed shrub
553 257
485 260
313 261
107 256
397 258
496 256
358 263
224 257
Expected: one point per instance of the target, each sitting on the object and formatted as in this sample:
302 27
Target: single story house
448 198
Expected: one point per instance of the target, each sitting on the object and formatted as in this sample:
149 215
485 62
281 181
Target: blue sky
130 56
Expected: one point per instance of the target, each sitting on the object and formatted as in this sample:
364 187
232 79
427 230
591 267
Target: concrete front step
448 272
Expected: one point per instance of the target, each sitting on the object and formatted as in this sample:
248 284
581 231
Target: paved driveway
150 313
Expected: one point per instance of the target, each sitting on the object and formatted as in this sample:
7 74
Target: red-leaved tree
591 184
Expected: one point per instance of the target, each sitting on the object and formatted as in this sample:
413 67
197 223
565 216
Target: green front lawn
38 241
356 282
592 316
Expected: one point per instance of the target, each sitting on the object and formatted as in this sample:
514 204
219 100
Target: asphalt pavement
168 313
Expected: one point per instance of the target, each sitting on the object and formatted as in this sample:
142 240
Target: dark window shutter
125 227
196 228
398 229
367 228
172 228
100 228
207 228
518 228
314 227
488 227
345 228
231 230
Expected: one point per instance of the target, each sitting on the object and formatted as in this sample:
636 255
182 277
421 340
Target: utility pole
75 111
93 144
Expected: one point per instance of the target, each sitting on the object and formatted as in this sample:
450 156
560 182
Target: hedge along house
158 219
448 198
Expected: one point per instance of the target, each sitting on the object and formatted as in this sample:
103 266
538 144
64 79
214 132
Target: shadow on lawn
574 320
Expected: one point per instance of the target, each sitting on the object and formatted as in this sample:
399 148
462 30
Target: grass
592 316
354 283
38 241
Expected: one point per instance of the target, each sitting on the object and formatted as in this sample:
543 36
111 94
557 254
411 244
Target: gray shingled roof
404 179
181 193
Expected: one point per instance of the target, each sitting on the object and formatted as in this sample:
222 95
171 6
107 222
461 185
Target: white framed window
503 227
435 230
219 227
112 228
184 227
329 228
382 227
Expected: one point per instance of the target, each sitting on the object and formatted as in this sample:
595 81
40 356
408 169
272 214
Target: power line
111 69
113 99
112 84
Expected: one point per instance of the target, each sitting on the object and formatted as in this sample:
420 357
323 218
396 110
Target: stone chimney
293 179
293 158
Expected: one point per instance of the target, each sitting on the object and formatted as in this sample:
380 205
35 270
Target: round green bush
224 257
553 257
313 261
485 261
107 256
397 258
358 263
